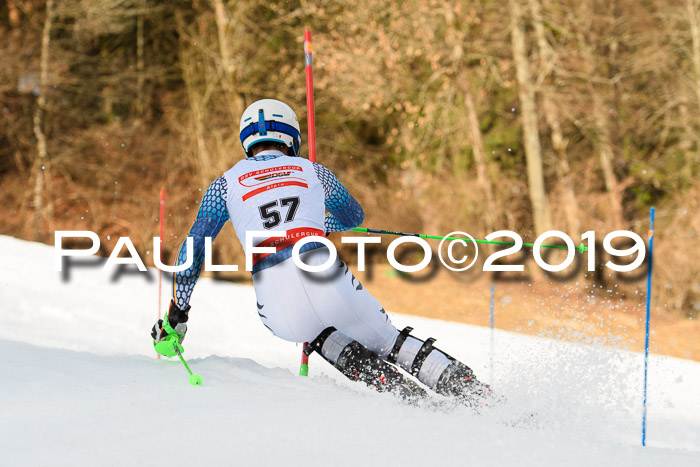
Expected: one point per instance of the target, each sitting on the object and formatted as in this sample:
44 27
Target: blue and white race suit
275 192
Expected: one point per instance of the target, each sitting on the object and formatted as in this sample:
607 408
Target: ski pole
492 307
195 379
311 123
646 328
581 248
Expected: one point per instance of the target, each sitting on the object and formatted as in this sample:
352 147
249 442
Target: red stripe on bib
272 186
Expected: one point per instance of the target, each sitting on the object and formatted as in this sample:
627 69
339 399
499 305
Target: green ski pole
581 248
195 379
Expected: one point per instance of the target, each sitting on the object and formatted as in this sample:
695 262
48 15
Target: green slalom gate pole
581 248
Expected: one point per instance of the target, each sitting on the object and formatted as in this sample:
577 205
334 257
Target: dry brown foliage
144 94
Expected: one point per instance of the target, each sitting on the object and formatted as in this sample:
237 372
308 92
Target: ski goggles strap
270 125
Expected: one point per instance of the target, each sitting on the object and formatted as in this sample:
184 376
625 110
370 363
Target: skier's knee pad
419 358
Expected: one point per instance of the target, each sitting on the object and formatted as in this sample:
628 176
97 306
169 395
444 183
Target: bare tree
42 165
461 74
140 62
547 60
597 87
477 143
227 66
528 104
197 97
693 14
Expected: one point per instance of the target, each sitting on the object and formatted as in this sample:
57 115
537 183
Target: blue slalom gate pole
491 312
646 331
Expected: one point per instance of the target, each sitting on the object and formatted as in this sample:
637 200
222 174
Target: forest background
437 115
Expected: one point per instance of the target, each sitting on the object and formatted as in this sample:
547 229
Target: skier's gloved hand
168 333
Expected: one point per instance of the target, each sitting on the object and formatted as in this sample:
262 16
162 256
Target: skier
274 188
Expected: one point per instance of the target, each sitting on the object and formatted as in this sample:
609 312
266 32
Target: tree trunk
607 156
195 97
693 7
526 94
477 141
602 125
551 112
140 65
235 103
42 172
457 41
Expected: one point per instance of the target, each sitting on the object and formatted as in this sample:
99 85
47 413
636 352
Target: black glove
171 332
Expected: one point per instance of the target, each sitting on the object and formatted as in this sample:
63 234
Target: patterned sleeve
211 218
345 212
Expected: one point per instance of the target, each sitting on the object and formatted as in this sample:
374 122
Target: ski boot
358 363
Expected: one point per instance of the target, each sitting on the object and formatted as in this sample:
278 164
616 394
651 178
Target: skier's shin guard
419 358
436 369
358 363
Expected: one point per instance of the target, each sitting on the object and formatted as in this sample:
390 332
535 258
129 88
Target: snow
81 386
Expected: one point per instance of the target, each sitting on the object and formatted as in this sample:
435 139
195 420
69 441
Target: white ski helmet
270 120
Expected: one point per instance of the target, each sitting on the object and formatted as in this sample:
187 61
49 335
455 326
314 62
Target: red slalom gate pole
310 95
161 222
311 123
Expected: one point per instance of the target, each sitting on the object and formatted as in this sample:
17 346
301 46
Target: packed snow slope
81 386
